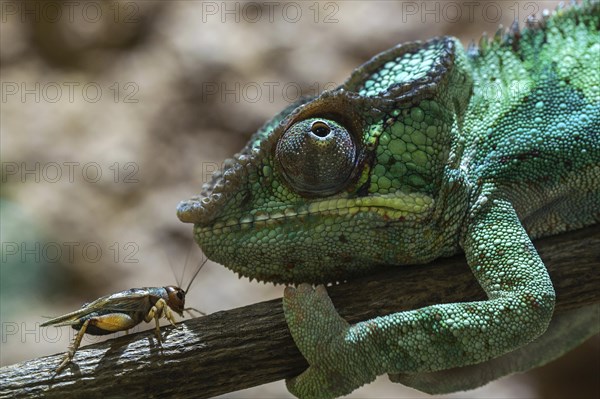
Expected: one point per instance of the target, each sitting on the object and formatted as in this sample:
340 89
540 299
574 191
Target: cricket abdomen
107 322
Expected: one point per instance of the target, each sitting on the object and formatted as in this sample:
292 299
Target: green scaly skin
426 150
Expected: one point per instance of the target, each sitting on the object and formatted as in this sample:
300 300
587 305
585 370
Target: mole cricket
124 310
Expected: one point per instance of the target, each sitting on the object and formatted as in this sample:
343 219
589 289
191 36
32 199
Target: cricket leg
156 313
73 347
189 310
169 315
111 322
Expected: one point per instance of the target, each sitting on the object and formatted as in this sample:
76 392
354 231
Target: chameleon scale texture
477 150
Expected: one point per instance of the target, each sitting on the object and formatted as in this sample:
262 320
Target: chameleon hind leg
565 332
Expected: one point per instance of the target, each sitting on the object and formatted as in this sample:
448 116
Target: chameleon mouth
306 243
397 206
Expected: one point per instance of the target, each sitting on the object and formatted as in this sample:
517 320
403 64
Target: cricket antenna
178 279
172 269
185 265
195 274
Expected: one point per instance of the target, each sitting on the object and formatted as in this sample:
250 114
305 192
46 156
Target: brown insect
124 310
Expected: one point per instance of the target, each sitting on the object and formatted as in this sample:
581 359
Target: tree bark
244 347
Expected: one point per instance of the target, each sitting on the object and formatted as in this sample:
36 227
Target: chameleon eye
320 128
317 156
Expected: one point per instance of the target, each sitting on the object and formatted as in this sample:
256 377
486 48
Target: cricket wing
73 317
133 300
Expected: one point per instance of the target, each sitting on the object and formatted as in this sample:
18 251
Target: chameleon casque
409 160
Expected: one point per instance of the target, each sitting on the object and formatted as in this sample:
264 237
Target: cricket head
175 299
336 185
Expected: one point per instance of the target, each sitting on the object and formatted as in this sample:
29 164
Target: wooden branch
249 346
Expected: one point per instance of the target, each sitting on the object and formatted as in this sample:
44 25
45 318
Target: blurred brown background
114 111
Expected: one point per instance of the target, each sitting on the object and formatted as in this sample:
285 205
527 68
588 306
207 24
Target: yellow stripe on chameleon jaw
393 206
413 203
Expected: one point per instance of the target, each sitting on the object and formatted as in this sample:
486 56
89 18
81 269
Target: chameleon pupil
320 129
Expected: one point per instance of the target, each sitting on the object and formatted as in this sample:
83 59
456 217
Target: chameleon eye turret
317 156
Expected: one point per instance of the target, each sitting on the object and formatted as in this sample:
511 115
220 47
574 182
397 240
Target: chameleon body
426 150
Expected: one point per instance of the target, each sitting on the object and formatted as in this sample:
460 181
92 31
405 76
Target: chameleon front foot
322 337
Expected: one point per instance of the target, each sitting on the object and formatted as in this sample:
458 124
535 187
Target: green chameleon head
336 185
